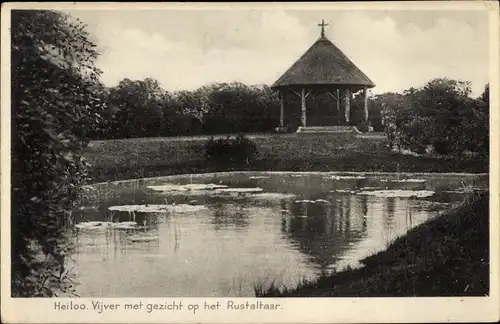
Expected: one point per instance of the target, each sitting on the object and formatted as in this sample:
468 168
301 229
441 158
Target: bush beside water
231 151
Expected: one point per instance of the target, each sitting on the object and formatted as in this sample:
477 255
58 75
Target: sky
185 49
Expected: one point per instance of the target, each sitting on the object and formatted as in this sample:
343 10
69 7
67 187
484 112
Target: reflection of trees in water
324 232
111 242
363 201
390 211
227 215
388 223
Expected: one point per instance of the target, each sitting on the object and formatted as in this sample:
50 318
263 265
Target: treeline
440 114
142 108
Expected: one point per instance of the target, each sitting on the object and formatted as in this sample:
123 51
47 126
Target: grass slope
149 157
445 256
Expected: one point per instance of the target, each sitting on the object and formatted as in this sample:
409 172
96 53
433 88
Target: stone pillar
303 100
346 98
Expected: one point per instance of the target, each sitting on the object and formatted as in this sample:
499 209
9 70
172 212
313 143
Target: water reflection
229 216
323 231
390 208
111 241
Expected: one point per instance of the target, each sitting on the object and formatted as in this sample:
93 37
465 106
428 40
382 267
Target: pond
223 234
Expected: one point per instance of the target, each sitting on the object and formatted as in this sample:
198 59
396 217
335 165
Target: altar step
327 130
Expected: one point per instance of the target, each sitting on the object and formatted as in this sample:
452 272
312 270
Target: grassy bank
149 157
446 256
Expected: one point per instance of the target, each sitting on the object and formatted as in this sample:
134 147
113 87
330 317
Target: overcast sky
187 49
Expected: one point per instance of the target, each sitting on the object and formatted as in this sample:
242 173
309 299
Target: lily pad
305 201
238 190
93 225
182 208
404 180
345 177
344 191
398 193
125 225
186 187
322 201
143 238
273 195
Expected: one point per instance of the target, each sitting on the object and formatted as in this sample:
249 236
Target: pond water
223 234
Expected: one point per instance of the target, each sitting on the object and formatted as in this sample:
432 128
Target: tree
235 107
441 115
55 101
184 113
391 107
443 104
485 96
478 129
138 107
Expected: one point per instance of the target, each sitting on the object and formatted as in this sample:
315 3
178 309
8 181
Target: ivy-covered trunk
55 101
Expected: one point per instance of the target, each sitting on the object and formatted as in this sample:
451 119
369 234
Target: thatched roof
323 64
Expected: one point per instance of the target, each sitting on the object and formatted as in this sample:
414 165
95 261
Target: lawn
149 157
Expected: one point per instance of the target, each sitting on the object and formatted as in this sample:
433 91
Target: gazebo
323 68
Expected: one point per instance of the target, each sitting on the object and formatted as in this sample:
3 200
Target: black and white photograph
247 155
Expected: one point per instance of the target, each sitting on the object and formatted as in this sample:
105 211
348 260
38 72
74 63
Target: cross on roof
322 25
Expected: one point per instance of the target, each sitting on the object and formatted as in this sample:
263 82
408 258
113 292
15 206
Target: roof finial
322 25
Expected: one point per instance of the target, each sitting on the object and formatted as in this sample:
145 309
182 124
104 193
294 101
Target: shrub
238 150
362 127
420 132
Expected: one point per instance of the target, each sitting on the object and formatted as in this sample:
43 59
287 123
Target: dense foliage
144 109
55 101
141 108
440 118
239 150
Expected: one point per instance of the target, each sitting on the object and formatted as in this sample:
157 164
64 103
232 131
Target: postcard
250 162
